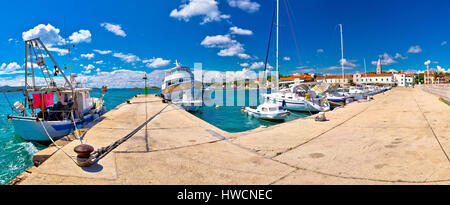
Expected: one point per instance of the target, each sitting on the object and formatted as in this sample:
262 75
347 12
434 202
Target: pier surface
400 137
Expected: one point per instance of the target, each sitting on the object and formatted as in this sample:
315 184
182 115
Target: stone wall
442 90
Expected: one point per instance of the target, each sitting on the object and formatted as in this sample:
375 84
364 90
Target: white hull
32 130
279 116
301 105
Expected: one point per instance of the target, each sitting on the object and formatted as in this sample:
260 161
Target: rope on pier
103 151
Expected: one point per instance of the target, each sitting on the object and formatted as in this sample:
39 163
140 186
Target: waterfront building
296 79
335 79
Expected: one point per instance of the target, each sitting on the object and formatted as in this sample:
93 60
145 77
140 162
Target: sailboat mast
278 21
342 55
365 69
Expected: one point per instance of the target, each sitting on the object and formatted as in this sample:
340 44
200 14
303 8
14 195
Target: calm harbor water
16 154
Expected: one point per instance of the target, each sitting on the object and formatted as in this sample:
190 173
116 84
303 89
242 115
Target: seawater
16 154
230 117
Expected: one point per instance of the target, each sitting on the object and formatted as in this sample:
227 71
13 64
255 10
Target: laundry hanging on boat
42 100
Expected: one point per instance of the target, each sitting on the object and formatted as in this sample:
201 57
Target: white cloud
156 63
348 65
259 65
208 9
398 55
115 79
87 69
102 52
129 58
99 62
244 64
88 55
245 5
217 41
320 50
48 34
114 28
414 49
80 36
386 59
240 31
59 51
444 43
228 46
287 58
10 68
243 56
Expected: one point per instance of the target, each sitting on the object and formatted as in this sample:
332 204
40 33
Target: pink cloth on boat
43 100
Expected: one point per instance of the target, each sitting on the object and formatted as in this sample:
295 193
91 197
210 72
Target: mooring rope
103 151
54 143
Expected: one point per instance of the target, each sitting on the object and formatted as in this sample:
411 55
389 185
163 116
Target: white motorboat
297 98
39 118
180 87
268 111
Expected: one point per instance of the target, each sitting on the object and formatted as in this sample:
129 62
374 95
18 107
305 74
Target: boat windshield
183 69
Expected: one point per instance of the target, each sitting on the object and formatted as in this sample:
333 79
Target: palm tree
437 76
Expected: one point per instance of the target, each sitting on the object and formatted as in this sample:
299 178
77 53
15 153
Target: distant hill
11 89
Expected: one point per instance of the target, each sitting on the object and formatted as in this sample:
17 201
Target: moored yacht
268 111
180 87
297 98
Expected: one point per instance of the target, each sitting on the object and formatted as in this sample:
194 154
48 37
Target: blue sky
225 35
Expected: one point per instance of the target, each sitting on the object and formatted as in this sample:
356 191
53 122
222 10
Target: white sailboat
39 118
291 99
341 96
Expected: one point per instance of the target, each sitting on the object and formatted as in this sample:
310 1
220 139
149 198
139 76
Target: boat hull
32 130
270 117
301 106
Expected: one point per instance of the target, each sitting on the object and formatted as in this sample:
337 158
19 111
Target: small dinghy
268 111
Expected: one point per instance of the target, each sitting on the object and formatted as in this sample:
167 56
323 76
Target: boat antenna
70 65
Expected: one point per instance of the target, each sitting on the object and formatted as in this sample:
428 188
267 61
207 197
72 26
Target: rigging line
293 33
270 37
7 99
291 11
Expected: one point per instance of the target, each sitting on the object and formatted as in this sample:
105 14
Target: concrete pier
400 137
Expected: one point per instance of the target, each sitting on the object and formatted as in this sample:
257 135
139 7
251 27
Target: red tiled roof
301 76
376 75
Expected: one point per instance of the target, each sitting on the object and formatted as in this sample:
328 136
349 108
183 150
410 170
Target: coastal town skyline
228 35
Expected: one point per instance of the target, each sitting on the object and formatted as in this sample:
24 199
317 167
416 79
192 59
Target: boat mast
365 69
342 56
278 20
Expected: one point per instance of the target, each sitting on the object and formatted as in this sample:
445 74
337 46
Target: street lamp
427 63
145 88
